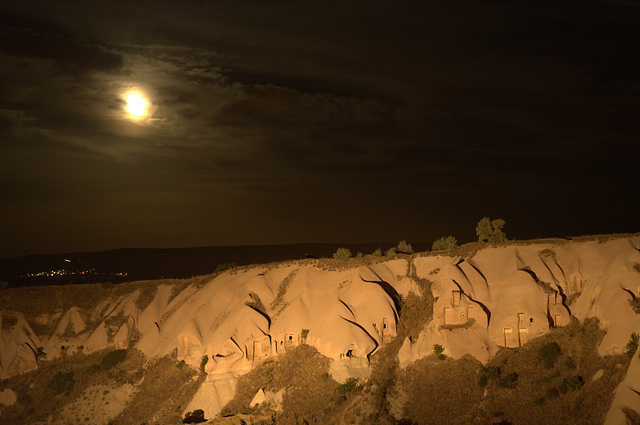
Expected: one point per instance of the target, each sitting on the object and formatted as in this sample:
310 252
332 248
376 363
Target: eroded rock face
7 397
499 296
506 296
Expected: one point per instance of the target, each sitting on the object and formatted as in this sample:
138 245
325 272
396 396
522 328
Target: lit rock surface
495 297
7 397
627 393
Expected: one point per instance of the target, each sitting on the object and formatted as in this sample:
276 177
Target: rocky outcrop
497 297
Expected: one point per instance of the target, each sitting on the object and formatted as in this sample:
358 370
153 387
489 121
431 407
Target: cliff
482 300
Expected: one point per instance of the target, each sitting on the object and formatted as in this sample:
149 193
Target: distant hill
125 265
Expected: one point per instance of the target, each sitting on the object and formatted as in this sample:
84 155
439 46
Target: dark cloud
32 38
325 121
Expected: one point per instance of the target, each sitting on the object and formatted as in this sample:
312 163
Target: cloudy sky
315 121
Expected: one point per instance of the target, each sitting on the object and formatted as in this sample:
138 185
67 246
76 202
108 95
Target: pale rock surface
18 348
627 394
495 297
7 397
213 394
268 398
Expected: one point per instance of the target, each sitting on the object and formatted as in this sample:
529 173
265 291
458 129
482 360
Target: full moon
136 105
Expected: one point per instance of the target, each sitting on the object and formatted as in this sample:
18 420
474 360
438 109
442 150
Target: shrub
548 252
494 373
539 401
552 393
62 382
404 248
112 358
573 383
487 374
195 417
342 254
224 266
203 363
446 242
349 385
509 380
377 253
549 353
570 364
490 230
632 345
483 380
398 300
391 252
438 350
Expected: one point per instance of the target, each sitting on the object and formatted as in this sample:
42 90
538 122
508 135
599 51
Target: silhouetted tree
446 242
404 248
342 254
490 230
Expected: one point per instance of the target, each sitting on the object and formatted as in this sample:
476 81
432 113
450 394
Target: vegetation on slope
55 383
557 378
310 394
163 387
553 384
162 396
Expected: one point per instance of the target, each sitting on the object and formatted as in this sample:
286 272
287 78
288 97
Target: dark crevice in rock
263 314
544 285
564 299
551 272
367 333
256 305
549 318
462 271
531 273
389 290
564 276
633 296
347 307
484 307
477 269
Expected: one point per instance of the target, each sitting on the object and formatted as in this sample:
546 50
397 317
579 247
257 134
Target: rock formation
491 297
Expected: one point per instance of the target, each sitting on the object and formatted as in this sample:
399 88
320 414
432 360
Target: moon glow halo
136 105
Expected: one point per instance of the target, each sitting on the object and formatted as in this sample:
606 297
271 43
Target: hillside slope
373 319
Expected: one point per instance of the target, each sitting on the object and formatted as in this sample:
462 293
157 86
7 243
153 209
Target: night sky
296 121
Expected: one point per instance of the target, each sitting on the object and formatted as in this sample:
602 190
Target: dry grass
165 391
310 394
538 393
248 385
468 250
373 405
441 392
37 399
282 290
148 291
8 321
309 391
632 416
